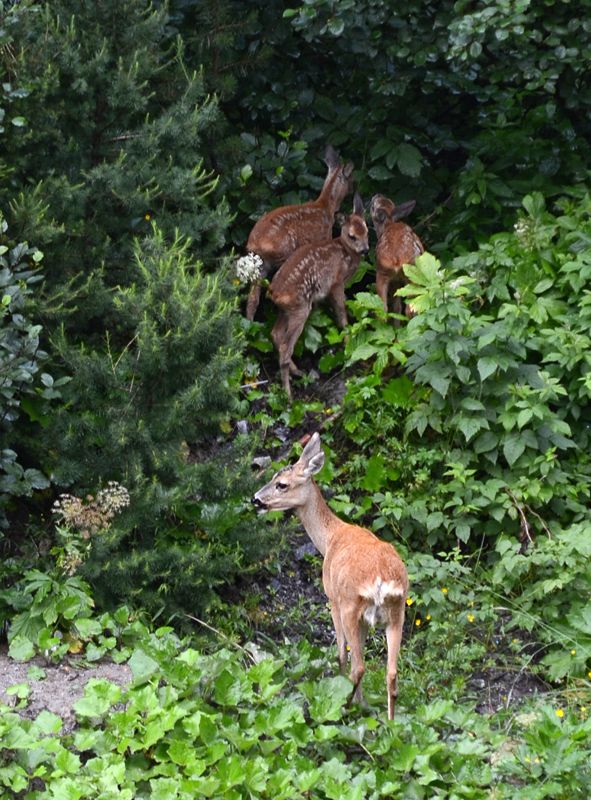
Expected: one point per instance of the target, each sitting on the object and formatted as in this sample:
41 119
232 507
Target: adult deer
315 272
281 231
364 578
397 244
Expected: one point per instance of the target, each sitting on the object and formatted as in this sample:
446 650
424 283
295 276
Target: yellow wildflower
417 622
428 617
560 713
409 601
444 589
573 652
471 617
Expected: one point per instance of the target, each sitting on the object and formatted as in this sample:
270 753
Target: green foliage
226 724
467 108
22 386
111 177
161 386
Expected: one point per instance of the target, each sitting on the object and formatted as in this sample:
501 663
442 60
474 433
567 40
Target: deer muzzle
258 504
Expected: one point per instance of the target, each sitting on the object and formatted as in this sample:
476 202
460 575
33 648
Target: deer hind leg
285 341
393 638
382 286
355 629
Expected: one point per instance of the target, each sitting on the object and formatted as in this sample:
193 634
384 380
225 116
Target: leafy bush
23 387
251 725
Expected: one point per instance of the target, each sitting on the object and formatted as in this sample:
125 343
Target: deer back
281 231
310 273
397 243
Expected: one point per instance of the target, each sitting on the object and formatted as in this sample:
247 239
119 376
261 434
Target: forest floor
54 687
282 606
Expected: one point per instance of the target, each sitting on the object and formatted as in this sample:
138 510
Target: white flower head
248 268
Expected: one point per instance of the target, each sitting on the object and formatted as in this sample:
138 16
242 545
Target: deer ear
331 157
348 169
403 210
358 205
312 458
314 465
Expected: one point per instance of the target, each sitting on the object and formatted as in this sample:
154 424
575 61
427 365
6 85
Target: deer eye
281 486
353 237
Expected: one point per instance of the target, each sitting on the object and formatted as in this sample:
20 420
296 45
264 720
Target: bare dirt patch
60 686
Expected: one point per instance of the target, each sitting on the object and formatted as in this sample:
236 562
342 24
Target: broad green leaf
99 696
486 367
21 649
512 449
67 761
48 723
470 425
328 698
142 666
409 160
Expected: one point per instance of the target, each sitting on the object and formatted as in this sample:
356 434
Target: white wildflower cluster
525 233
93 514
248 268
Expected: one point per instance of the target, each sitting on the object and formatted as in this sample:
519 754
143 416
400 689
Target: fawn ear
331 157
358 205
403 210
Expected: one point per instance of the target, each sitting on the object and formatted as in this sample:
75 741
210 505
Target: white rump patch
377 593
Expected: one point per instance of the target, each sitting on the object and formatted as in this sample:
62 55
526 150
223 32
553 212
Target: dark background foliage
140 143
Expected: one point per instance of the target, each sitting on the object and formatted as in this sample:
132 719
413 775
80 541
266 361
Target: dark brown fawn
281 231
397 244
315 272
364 578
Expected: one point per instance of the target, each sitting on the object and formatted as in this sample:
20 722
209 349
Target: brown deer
281 231
312 273
397 244
364 578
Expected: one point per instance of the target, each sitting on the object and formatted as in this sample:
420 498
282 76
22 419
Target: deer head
289 488
383 210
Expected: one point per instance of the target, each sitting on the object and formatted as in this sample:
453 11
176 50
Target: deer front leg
340 634
337 299
254 295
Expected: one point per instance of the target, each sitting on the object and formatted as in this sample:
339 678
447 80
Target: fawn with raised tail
315 272
364 578
281 231
397 244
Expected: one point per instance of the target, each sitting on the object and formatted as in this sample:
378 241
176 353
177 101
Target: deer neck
329 197
317 518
